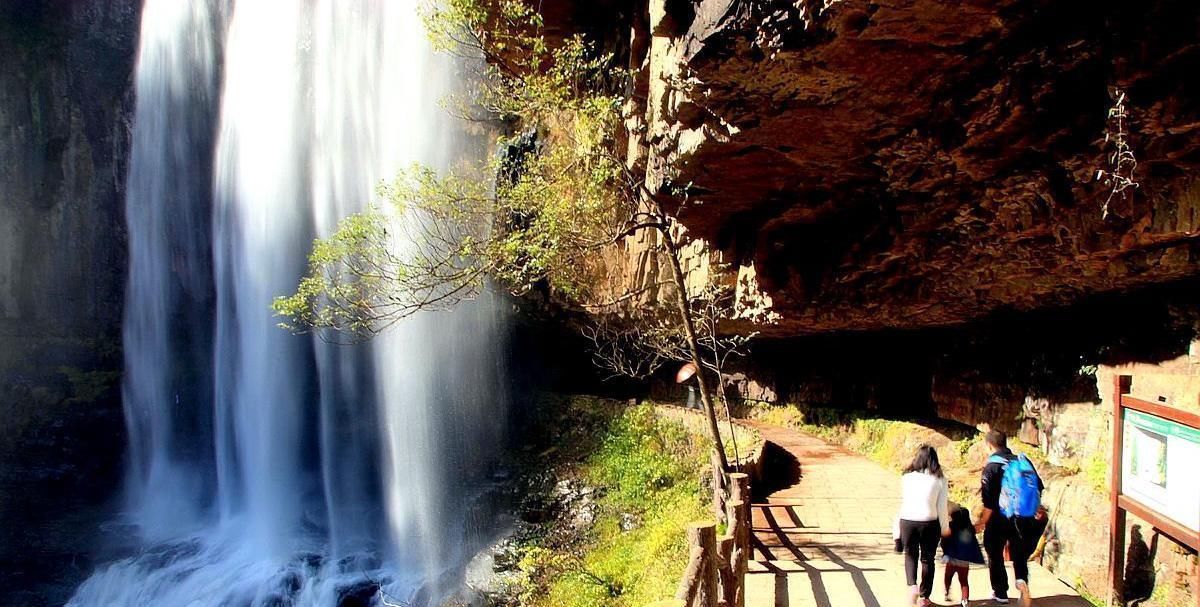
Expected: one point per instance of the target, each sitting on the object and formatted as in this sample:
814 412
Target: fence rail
716 571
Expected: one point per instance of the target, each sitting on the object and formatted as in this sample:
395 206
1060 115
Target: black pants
920 541
1021 535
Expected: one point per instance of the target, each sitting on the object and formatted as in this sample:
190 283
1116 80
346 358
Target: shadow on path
783 471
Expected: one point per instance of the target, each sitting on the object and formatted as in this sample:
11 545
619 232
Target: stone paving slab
826 540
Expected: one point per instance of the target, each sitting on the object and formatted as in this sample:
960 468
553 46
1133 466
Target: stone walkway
823 537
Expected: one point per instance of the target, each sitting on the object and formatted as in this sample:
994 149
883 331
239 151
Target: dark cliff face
65 104
926 162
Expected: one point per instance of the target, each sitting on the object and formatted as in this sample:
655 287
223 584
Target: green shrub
642 465
639 456
644 564
963 447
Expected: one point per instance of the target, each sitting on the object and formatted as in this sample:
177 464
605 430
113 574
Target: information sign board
1160 462
1154 475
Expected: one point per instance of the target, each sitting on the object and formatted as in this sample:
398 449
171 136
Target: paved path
823 538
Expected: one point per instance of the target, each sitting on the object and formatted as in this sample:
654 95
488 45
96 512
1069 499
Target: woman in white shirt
922 520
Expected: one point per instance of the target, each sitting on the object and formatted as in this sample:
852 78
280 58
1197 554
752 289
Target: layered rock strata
897 165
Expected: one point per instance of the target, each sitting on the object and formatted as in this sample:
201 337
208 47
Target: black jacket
993 473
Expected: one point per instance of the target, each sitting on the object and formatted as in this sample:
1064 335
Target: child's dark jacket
962 544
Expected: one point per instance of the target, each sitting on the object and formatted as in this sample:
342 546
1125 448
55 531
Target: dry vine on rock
1118 177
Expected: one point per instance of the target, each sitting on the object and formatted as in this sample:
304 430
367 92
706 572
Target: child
960 551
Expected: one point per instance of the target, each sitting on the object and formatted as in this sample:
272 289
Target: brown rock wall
924 163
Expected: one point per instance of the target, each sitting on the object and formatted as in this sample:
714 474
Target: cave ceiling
918 163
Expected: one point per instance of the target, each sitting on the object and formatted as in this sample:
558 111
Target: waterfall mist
268 468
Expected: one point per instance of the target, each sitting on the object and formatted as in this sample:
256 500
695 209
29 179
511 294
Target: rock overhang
925 163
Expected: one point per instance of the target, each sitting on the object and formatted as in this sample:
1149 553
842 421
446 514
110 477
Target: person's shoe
914 594
925 602
948 600
964 603
999 600
1026 597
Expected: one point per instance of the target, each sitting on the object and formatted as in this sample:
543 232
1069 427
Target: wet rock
288 583
492 574
311 560
359 561
358 594
577 503
505 555
629 522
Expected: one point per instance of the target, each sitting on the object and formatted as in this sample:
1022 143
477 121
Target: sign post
1152 475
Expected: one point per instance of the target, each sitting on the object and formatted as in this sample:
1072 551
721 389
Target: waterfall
268 468
166 320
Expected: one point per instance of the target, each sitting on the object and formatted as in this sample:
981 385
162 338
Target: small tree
535 217
638 345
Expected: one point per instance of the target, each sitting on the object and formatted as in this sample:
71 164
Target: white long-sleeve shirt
924 498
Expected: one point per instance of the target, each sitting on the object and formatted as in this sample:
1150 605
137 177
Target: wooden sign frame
1121 504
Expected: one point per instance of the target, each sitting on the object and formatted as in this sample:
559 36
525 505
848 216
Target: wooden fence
716 569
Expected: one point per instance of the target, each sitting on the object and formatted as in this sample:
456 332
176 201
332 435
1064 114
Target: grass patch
1095 469
638 566
1035 454
963 447
646 471
740 444
639 457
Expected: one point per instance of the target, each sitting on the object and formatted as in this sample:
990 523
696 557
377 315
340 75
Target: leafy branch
535 218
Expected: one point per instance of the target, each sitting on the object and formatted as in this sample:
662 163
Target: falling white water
311 471
259 234
168 267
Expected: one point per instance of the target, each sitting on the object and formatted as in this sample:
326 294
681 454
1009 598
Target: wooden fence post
739 531
699 585
725 569
739 486
716 569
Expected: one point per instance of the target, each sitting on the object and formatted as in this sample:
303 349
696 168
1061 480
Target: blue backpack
1020 494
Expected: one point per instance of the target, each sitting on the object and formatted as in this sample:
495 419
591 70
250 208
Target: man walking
1011 492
